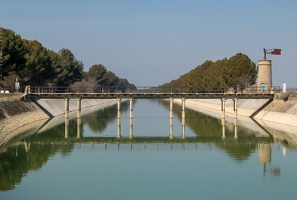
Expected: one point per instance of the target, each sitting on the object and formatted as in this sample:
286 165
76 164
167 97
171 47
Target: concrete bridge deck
147 93
151 95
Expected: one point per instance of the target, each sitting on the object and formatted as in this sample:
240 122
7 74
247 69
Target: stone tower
264 74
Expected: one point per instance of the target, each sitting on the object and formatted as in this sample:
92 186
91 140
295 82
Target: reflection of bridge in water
244 146
236 149
148 93
171 137
144 140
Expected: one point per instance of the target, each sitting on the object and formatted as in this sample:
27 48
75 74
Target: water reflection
264 157
28 156
18 160
95 118
238 138
200 124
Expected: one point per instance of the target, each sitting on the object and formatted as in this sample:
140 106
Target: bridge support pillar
78 105
183 107
183 118
171 119
119 118
223 129
183 128
235 128
119 108
78 129
223 107
119 128
27 146
171 108
66 127
235 100
66 108
131 119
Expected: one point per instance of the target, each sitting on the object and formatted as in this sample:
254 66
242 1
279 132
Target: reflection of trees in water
17 161
98 121
238 150
204 125
201 124
57 132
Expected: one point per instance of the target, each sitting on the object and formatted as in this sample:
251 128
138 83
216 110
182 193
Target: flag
276 52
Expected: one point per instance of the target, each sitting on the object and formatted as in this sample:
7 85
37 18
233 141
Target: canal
207 158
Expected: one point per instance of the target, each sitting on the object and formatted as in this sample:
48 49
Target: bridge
67 93
149 93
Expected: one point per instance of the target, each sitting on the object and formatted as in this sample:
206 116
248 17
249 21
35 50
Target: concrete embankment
278 111
56 107
20 116
276 117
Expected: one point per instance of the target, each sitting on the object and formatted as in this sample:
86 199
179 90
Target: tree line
33 64
236 73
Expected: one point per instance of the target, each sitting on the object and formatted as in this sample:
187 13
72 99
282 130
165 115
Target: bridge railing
150 89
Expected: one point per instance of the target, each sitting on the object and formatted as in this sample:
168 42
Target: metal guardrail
149 89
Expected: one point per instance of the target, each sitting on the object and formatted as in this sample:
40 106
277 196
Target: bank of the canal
19 115
278 110
277 117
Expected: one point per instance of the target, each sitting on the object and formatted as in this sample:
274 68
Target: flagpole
271 51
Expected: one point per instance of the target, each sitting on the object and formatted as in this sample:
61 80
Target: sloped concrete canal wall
56 107
18 115
278 111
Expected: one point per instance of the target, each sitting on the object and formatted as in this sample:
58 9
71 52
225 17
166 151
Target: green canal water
209 158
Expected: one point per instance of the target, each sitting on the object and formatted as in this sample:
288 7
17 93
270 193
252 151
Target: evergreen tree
237 72
69 69
35 65
38 70
98 72
13 51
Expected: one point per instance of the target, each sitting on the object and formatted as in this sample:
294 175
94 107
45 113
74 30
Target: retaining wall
278 111
56 107
18 114
17 117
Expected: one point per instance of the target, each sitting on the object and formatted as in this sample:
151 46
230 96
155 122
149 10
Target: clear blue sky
151 42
